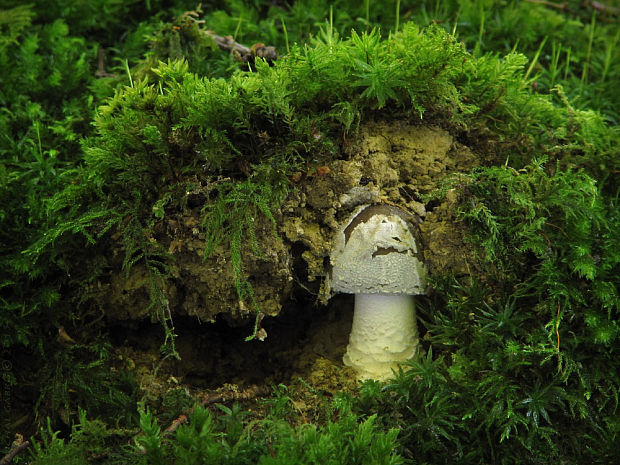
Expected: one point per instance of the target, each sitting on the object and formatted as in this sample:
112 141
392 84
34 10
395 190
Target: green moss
231 437
512 373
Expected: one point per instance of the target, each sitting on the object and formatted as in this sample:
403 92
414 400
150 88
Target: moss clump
158 141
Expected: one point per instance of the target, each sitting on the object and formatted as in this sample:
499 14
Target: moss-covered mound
164 205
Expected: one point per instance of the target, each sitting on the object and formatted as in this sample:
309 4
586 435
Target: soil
303 350
203 287
394 163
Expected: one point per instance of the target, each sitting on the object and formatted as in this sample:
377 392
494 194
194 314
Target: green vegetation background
524 372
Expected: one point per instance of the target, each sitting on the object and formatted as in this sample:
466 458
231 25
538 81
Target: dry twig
230 394
228 44
101 72
18 446
603 8
243 53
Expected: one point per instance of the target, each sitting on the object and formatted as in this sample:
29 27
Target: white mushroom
376 257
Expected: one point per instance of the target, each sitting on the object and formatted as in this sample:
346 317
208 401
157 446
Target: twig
225 396
231 394
180 420
598 6
18 446
557 227
101 72
241 52
228 44
612 10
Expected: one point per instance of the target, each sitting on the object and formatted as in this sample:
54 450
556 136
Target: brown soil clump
395 163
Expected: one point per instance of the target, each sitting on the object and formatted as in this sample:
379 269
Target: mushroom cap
377 253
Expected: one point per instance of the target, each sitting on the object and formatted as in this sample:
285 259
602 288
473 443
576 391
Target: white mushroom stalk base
384 334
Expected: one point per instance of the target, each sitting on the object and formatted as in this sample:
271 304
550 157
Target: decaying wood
18 446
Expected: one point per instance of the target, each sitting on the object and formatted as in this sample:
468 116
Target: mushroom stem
384 333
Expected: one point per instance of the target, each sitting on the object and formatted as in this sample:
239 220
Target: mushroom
377 258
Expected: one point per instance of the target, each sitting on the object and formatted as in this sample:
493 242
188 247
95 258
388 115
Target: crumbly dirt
204 288
394 163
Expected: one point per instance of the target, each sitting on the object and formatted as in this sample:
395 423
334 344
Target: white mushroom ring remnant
376 257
